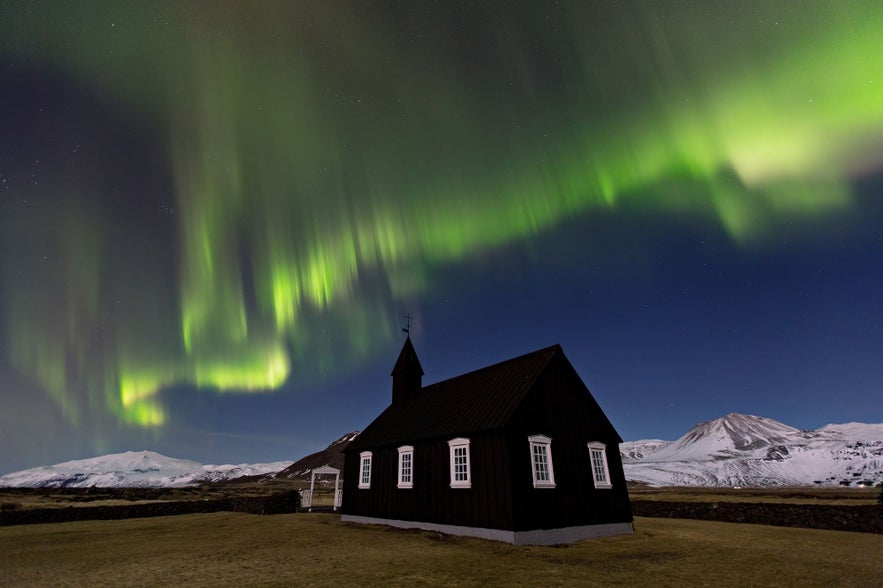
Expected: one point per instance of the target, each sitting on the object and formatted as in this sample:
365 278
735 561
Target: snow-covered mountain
745 450
638 450
132 469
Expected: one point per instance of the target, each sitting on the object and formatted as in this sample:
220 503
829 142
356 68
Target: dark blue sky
211 222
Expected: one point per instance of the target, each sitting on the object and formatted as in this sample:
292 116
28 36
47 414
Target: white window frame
597 446
365 470
541 443
455 444
406 450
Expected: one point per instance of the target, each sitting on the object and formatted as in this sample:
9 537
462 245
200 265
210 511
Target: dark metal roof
477 401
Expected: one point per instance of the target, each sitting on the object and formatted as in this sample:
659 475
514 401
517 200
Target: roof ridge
554 347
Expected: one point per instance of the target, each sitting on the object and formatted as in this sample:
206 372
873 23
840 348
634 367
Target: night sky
214 215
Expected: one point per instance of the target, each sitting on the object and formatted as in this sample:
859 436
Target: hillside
330 456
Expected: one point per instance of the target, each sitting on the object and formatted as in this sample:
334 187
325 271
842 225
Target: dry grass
24 499
28 499
804 495
227 549
33 498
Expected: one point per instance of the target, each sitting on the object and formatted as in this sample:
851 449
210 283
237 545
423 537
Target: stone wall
273 504
860 518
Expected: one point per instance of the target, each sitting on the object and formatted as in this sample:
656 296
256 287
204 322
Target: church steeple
407 374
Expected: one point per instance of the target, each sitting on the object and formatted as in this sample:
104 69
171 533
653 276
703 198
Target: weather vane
407 328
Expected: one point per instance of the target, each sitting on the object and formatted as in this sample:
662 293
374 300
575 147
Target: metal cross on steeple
407 328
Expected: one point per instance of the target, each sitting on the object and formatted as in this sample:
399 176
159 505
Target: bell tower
407 374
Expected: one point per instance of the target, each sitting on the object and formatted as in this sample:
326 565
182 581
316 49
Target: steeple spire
407 374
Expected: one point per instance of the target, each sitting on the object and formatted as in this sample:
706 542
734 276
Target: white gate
306 496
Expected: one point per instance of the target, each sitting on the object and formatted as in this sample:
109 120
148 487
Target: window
460 474
406 466
365 477
541 460
598 457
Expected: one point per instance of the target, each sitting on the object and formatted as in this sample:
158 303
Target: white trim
365 470
540 445
598 448
406 475
457 479
560 536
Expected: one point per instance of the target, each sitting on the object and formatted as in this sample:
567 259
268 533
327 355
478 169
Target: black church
518 451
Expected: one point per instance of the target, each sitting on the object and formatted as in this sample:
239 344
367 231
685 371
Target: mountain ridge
330 456
733 450
132 469
747 450
147 469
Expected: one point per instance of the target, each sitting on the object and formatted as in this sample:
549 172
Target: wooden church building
518 451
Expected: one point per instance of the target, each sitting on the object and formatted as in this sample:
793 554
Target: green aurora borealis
326 157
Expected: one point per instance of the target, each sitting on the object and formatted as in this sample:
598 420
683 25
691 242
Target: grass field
227 549
804 495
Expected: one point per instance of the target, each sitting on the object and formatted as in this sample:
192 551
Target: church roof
481 400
